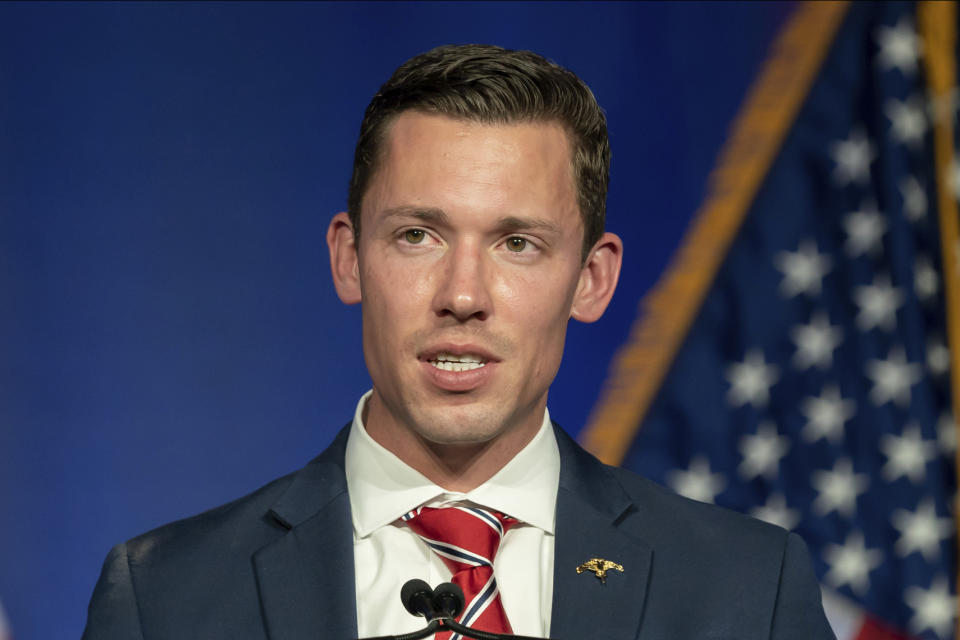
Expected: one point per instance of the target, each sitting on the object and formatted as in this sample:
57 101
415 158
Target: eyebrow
438 216
519 223
426 214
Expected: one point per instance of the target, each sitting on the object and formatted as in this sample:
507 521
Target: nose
463 291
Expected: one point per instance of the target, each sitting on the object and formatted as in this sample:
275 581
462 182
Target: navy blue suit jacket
278 564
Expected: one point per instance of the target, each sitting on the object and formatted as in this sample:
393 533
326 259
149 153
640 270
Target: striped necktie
467 539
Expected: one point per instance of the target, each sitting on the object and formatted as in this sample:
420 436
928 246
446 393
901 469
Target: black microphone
448 599
417 598
440 607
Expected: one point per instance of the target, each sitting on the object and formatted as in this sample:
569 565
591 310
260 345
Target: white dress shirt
386 553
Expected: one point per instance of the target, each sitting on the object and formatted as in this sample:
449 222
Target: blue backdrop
169 336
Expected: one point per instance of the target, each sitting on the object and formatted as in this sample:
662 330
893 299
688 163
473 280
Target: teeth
456 366
451 362
467 357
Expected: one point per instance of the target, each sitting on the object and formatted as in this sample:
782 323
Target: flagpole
938 29
667 311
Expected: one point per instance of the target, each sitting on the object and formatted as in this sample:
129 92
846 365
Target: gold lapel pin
599 567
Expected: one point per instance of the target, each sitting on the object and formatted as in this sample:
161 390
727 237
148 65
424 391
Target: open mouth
451 362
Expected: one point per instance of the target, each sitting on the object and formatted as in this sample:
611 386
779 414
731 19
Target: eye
414 236
516 244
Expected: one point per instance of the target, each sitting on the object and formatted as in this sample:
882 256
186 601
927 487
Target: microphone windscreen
417 597
448 598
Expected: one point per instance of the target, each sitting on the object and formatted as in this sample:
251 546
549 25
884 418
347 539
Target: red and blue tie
467 538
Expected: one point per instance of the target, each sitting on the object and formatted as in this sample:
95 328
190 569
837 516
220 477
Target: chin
459 427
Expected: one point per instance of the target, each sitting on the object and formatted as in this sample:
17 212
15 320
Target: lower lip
458 381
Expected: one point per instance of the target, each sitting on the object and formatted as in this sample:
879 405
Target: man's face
469 262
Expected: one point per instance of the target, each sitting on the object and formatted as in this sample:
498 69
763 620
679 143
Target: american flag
813 386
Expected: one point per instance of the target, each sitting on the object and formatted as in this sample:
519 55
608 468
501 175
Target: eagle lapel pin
599 567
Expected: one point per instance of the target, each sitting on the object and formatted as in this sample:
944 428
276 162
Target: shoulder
188 561
655 513
241 525
672 518
710 568
742 571
684 533
157 580
168 568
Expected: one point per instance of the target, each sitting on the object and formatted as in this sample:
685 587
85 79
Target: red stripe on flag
873 629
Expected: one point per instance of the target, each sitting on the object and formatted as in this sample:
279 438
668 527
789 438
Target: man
474 232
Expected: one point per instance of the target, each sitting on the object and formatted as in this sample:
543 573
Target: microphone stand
477 634
433 627
449 624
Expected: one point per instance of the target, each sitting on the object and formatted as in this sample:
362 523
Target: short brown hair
493 85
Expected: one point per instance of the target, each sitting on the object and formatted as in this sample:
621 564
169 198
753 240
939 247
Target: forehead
429 160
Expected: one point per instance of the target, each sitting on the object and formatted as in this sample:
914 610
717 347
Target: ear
344 262
598 279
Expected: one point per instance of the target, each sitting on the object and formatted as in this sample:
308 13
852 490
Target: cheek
538 306
395 292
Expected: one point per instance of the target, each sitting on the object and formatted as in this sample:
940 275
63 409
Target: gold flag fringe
668 310
937 22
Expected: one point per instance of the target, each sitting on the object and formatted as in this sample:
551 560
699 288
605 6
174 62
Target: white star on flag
803 270
921 530
826 415
914 199
899 47
853 157
933 608
865 228
908 122
907 455
697 483
878 304
751 380
851 563
892 378
815 342
775 511
926 280
838 488
762 452
938 356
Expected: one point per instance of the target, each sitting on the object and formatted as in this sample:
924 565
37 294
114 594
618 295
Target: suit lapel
306 577
590 504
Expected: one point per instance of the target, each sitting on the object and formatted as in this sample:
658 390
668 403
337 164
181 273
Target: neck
454 466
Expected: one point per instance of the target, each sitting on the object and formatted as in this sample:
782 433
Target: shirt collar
382 487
